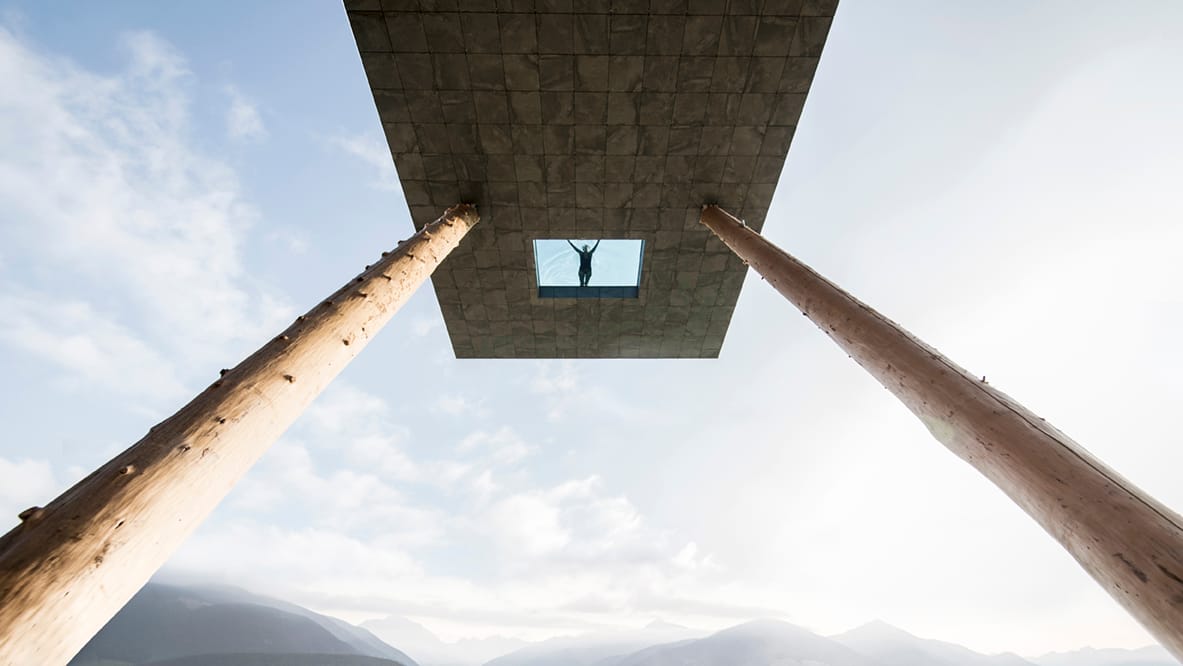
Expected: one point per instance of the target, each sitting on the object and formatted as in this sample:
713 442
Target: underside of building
590 120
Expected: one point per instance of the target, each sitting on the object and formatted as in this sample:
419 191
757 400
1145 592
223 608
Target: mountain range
171 625
775 643
226 626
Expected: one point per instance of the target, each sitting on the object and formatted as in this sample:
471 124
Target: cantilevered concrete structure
590 119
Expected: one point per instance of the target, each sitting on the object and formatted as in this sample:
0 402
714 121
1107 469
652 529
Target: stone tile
764 75
619 168
730 74
620 139
777 140
739 168
559 139
627 33
487 71
392 106
556 33
653 140
690 108
381 71
591 34
450 72
527 140
660 74
590 139
695 74
768 169
456 106
410 166
518 33
525 108
589 168
755 108
623 108
496 138
491 107
797 74
416 72
810 36
369 31
433 138
406 32
556 72
443 32
701 35
747 140
591 73
787 109
738 36
521 71
656 108
499 168
774 36
626 73
471 167
716 140
665 35
684 139
558 108
591 108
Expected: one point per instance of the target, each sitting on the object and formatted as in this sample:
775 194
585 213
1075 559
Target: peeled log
1125 539
70 566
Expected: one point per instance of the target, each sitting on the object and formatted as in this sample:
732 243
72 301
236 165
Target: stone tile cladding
578 119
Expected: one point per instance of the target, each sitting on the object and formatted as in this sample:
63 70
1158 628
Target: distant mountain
757 643
427 649
595 649
171 625
224 626
249 659
890 646
1147 656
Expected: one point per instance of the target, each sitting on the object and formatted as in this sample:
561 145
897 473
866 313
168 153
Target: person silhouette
585 257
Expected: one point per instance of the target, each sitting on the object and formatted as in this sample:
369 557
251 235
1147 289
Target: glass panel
608 262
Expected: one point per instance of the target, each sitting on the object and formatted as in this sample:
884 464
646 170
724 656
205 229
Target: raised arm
594 246
572 245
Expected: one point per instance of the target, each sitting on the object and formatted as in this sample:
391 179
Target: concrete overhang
570 119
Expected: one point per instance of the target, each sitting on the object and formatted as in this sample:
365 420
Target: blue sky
177 181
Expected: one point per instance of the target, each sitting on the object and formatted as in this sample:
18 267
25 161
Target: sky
179 180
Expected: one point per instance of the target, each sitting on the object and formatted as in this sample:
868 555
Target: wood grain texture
70 566
1126 540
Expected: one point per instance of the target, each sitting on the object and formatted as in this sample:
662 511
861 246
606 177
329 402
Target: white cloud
296 241
372 522
243 121
423 326
563 388
457 405
558 383
96 352
371 149
502 447
152 227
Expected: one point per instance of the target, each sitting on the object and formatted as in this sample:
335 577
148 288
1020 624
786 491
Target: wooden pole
70 566
1126 540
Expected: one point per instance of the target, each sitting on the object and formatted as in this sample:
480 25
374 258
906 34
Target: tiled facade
577 119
